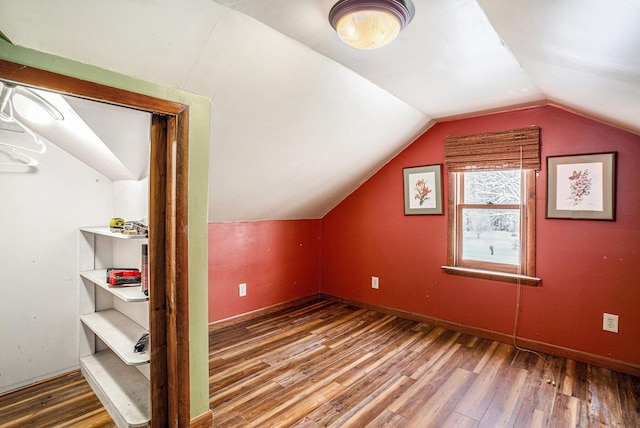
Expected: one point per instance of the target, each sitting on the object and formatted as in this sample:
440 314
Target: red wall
278 260
587 267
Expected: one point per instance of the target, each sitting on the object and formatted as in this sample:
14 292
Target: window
491 224
492 205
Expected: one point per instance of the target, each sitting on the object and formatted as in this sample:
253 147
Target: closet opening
168 230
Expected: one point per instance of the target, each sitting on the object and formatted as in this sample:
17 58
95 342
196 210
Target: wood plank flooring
64 401
327 364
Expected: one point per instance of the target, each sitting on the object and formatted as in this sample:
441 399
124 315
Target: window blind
491 151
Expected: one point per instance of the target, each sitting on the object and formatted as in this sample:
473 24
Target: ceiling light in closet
370 24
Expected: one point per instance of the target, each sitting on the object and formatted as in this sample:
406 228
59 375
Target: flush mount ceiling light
370 24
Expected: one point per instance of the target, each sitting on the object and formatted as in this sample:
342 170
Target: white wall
40 212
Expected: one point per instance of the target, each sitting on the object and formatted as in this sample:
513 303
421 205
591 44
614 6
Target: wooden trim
452 244
499 268
491 275
529 211
170 273
572 354
157 278
176 271
29 76
585 357
205 420
168 224
525 271
181 223
217 325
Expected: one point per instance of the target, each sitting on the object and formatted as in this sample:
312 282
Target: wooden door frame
168 237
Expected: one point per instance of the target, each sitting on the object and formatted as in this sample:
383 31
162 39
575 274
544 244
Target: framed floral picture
582 186
423 190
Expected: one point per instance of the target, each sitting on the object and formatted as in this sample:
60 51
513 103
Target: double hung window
492 204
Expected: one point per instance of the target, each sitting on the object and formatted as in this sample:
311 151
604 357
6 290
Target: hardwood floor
64 401
329 364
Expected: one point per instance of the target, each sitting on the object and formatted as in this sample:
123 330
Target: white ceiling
300 120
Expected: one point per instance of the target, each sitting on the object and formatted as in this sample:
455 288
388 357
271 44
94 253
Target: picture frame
423 190
582 187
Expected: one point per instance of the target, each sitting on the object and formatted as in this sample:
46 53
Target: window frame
524 272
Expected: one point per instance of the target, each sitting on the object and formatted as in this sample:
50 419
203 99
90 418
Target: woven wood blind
491 151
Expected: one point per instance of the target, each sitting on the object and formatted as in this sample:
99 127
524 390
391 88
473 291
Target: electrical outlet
242 290
375 282
610 322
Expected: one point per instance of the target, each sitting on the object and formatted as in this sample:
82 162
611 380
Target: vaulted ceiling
299 120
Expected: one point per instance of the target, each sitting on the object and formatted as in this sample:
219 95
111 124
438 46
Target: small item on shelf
116 224
145 269
119 225
123 276
142 343
136 228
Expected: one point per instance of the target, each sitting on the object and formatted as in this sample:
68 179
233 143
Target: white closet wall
40 212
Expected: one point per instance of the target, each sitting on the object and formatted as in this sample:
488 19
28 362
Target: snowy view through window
491 228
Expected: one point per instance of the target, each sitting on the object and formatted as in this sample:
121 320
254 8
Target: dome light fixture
370 24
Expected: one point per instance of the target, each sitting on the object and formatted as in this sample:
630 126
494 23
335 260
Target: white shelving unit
119 333
114 318
126 294
123 391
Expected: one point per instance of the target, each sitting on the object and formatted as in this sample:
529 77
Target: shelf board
105 231
128 294
122 389
119 333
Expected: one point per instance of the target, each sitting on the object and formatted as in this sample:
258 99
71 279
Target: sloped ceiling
300 120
